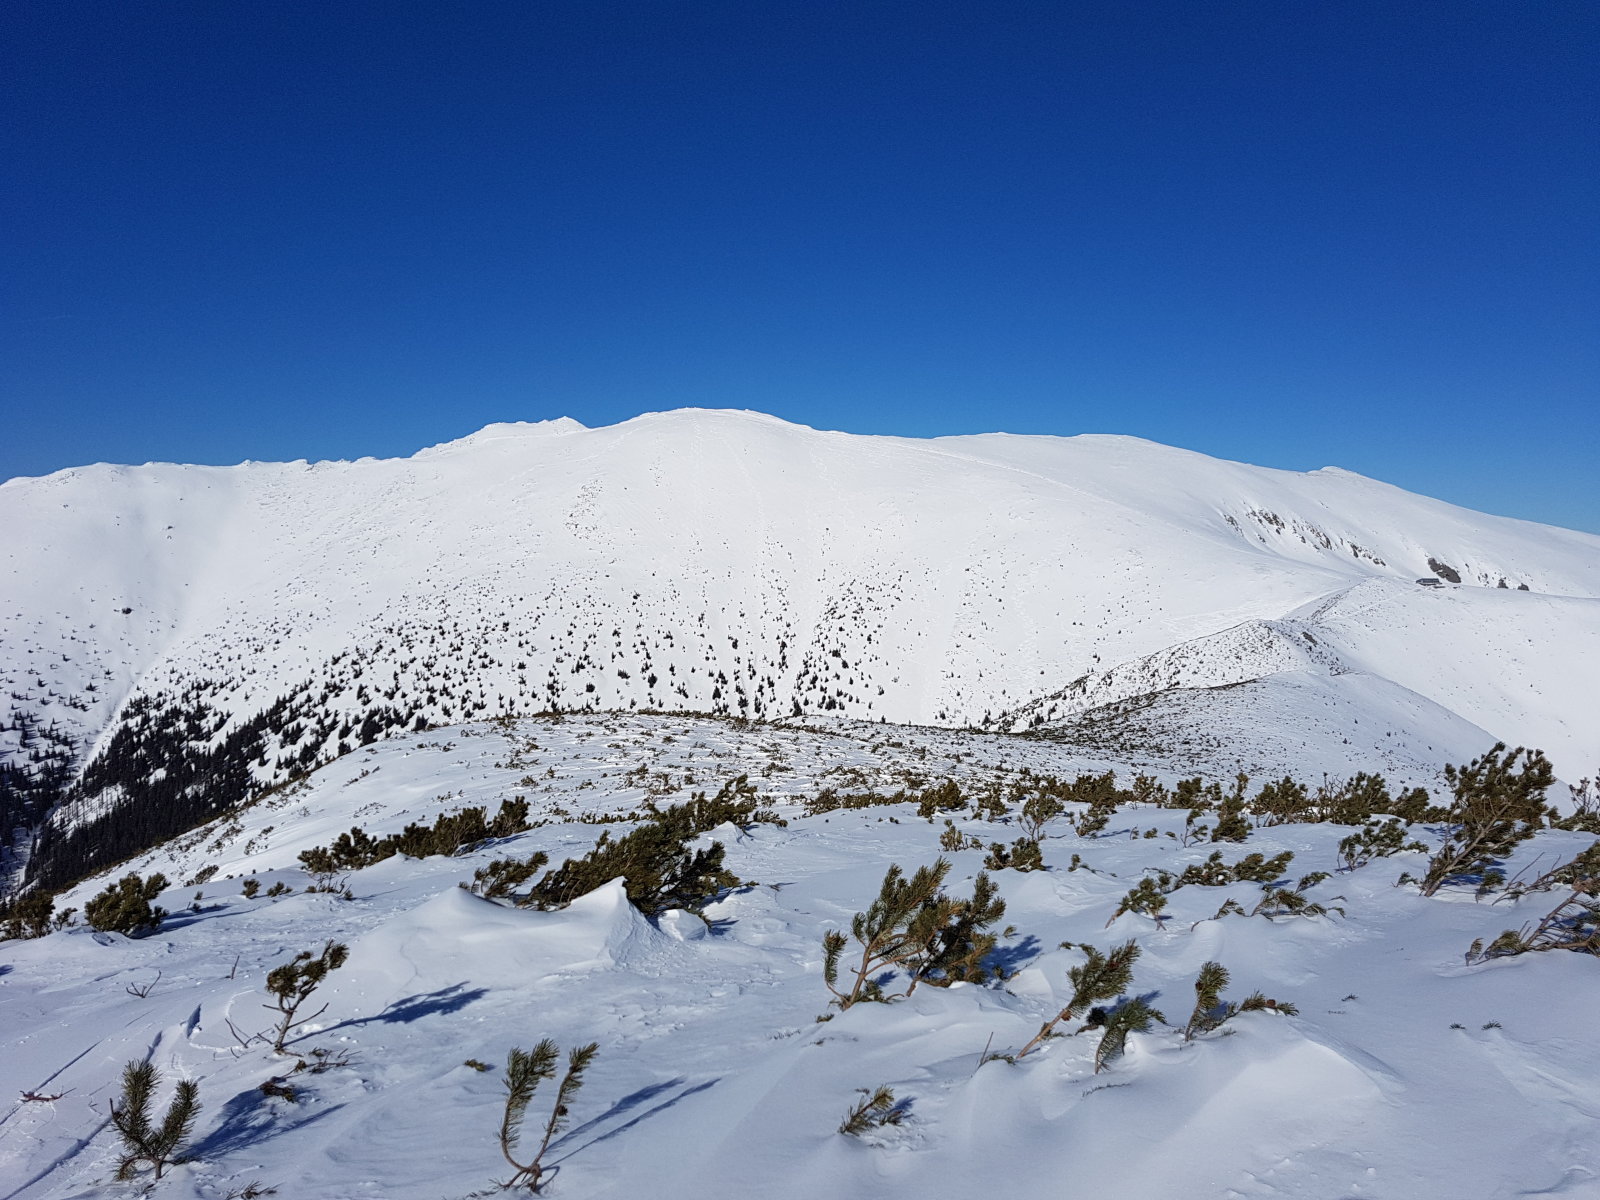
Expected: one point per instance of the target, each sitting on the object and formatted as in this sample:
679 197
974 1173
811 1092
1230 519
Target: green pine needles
915 928
875 1109
1212 1012
142 1141
1375 839
525 1071
292 983
1498 802
662 865
1022 855
1102 977
502 877
1131 1016
125 906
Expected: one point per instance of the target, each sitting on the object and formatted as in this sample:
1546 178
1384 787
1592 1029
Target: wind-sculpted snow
242 625
1406 1073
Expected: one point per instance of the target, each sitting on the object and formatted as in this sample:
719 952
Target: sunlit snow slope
730 562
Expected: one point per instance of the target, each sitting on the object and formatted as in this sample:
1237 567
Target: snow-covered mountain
212 671
182 635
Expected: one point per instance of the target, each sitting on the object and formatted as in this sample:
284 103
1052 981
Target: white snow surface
1407 1075
729 562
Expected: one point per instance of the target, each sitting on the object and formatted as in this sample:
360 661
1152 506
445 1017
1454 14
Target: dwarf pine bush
1231 824
525 1071
1293 902
1281 802
1149 896
1211 1012
915 928
1585 814
292 983
953 839
142 1141
448 834
1497 803
662 868
28 916
1101 977
1375 839
1254 867
662 871
1145 898
1037 813
940 798
1022 855
501 878
125 907
1574 924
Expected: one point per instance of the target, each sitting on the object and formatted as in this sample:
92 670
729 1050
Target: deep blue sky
1293 233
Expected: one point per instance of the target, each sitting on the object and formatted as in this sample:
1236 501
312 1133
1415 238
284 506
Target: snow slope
728 562
1406 1075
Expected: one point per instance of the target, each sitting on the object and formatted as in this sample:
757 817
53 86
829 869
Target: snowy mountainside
196 633
1404 1073
572 768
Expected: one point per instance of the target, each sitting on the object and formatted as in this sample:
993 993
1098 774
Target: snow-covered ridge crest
733 563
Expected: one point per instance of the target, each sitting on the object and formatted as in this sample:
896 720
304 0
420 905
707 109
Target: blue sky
1291 233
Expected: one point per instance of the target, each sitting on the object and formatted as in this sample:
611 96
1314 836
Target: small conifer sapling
524 1072
914 927
292 983
1211 1011
143 1142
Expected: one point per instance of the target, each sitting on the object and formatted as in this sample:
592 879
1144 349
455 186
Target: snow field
714 1076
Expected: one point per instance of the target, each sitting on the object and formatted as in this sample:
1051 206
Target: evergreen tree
142 1142
1231 824
125 907
914 927
292 983
1497 803
524 1073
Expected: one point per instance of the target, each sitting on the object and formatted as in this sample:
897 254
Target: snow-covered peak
503 431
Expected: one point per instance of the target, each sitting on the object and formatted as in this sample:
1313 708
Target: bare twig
984 1057
245 1040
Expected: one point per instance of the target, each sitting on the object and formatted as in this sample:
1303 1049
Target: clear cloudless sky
1290 232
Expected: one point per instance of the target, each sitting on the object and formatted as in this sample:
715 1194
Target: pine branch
1209 1011
1102 977
874 1110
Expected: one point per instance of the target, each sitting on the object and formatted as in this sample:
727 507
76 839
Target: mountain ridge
732 563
